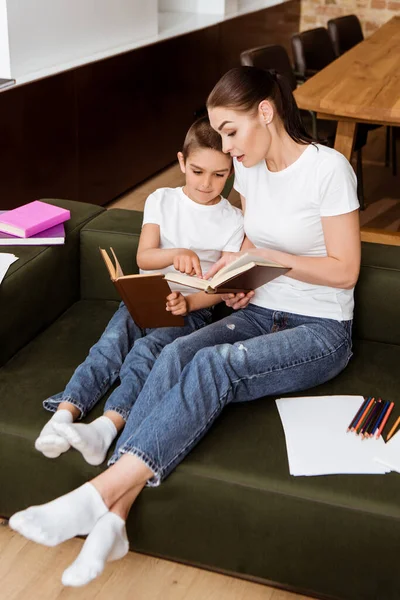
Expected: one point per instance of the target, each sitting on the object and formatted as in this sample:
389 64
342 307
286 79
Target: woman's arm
341 266
150 256
246 244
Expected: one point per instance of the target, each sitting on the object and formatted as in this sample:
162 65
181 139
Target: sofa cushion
231 504
42 283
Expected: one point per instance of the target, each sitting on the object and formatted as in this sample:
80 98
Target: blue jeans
125 351
252 353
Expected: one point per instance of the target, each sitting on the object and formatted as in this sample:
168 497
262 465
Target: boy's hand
187 261
177 304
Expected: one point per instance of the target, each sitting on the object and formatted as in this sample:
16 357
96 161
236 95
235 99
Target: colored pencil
358 413
380 418
385 418
368 420
369 429
361 419
391 432
365 416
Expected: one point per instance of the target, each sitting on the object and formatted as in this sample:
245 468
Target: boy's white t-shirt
283 212
207 230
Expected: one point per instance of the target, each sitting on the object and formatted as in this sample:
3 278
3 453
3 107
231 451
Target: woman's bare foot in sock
73 514
106 542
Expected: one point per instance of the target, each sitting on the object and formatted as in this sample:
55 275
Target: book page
240 262
118 269
109 265
189 280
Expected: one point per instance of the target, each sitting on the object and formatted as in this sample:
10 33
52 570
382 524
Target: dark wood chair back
270 57
345 32
312 51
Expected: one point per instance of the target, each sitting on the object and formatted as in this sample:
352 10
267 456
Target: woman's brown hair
243 88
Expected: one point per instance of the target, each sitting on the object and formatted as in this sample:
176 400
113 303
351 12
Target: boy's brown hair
201 135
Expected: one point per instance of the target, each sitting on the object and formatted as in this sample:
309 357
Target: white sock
73 514
49 442
92 439
106 542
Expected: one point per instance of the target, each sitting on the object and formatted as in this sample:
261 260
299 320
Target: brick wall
372 13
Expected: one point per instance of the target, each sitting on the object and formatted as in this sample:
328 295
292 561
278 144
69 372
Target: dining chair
312 51
345 33
275 57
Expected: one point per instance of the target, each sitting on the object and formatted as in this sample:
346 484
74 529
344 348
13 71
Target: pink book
32 218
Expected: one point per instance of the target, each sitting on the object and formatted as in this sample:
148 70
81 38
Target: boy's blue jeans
252 353
125 351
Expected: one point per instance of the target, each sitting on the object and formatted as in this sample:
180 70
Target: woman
301 210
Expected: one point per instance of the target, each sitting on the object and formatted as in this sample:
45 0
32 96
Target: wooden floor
382 189
32 572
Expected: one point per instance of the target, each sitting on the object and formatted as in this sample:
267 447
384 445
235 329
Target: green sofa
231 505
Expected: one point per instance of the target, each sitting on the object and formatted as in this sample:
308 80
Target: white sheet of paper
317 440
389 455
6 260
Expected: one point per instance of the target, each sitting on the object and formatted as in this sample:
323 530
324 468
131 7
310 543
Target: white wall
47 33
5 68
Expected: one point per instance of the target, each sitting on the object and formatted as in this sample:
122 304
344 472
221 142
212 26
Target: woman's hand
177 304
237 301
187 261
226 259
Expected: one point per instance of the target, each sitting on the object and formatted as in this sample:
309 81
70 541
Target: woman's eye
197 172
219 175
231 134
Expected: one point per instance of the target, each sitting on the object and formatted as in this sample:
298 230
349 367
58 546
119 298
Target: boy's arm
150 256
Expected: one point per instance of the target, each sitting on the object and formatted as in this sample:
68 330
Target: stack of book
33 224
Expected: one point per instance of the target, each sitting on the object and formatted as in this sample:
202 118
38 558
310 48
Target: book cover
247 272
143 295
49 237
32 218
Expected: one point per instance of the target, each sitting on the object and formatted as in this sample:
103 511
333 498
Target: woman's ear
181 160
265 111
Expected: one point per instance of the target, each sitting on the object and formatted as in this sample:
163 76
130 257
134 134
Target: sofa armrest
42 283
116 228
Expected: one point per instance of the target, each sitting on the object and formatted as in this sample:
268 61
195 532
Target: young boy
185 228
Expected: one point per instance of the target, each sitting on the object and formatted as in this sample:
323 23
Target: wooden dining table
361 86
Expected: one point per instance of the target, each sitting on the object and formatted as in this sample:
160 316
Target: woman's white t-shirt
207 230
283 212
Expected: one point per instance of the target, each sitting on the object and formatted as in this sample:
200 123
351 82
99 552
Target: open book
246 273
144 295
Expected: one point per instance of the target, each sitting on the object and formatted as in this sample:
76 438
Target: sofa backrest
377 312
42 283
115 228
377 294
